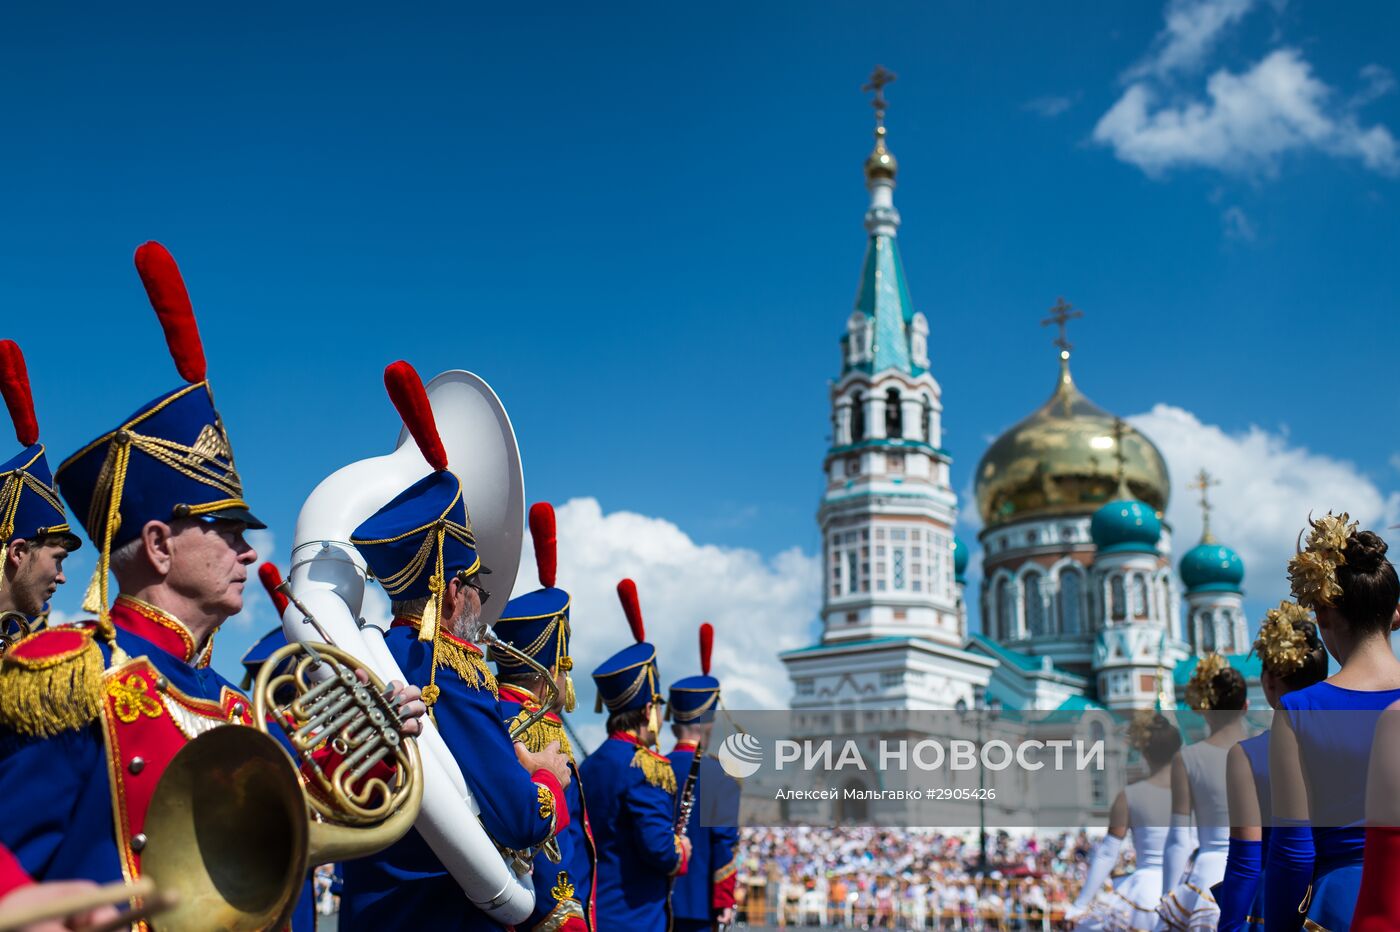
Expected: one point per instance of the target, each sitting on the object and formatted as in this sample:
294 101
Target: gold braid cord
45 695
1312 573
1282 644
541 734
656 769
1200 691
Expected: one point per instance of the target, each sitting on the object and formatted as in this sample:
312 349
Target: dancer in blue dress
1293 657
1320 748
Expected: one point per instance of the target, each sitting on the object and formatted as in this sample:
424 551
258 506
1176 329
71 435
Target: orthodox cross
878 79
1060 315
1204 482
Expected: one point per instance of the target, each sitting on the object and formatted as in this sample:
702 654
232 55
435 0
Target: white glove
1177 850
1100 866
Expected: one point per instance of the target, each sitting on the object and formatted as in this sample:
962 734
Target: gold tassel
92 599
656 769
654 721
46 697
598 702
542 734
570 699
466 663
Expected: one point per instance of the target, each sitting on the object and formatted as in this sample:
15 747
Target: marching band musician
705 895
33 527
19 891
633 790
537 624
91 714
421 548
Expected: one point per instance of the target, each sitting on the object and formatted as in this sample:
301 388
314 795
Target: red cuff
327 759
724 892
557 808
1378 904
574 924
682 862
12 876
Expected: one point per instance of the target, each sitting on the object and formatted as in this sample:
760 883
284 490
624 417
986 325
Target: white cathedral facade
1079 605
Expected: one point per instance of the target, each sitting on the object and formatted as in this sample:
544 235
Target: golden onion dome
1064 459
881 162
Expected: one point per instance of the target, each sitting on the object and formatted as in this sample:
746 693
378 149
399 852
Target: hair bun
1366 551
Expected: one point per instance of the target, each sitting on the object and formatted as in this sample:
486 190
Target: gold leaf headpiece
1312 573
1200 691
1140 728
1282 644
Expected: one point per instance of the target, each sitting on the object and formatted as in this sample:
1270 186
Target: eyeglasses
474 581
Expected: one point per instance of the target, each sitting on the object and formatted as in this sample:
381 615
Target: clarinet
687 803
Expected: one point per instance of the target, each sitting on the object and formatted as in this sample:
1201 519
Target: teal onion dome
960 556
1126 525
1212 567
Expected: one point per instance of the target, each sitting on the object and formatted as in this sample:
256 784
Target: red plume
546 542
406 391
14 383
707 644
627 593
166 289
271 579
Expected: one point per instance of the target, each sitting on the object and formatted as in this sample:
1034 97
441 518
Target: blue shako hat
629 678
537 623
29 505
693 699
171 459
423 536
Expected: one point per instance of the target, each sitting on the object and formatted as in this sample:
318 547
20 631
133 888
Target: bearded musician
421 547
537 625
91 714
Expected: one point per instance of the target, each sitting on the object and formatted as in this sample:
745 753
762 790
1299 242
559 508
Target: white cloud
1191 31
1267 487
1248 123
1237 225
1049 107
758 606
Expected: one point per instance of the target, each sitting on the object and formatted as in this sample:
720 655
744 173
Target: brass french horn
236 822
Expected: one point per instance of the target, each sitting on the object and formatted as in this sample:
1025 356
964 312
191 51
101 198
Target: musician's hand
726 916
686 847
551 759
55 892
412 708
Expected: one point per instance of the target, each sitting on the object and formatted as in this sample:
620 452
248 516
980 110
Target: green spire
884 298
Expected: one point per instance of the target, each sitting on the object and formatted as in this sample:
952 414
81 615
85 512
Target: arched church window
1071 592
857 417
1005 610
1035 605
928 420
894 414
1118 599
1207 632
1139 596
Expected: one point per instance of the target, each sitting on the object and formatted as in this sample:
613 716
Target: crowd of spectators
873 878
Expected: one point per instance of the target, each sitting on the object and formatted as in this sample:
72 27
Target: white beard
468 625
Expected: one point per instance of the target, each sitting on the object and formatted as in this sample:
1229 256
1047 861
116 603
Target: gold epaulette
656 769
541 734
467 662
51 682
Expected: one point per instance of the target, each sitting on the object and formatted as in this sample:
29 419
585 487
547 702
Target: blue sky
643 226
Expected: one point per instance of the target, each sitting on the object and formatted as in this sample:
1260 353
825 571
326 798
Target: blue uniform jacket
405 886
632 812
60 819
566 888
707 886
